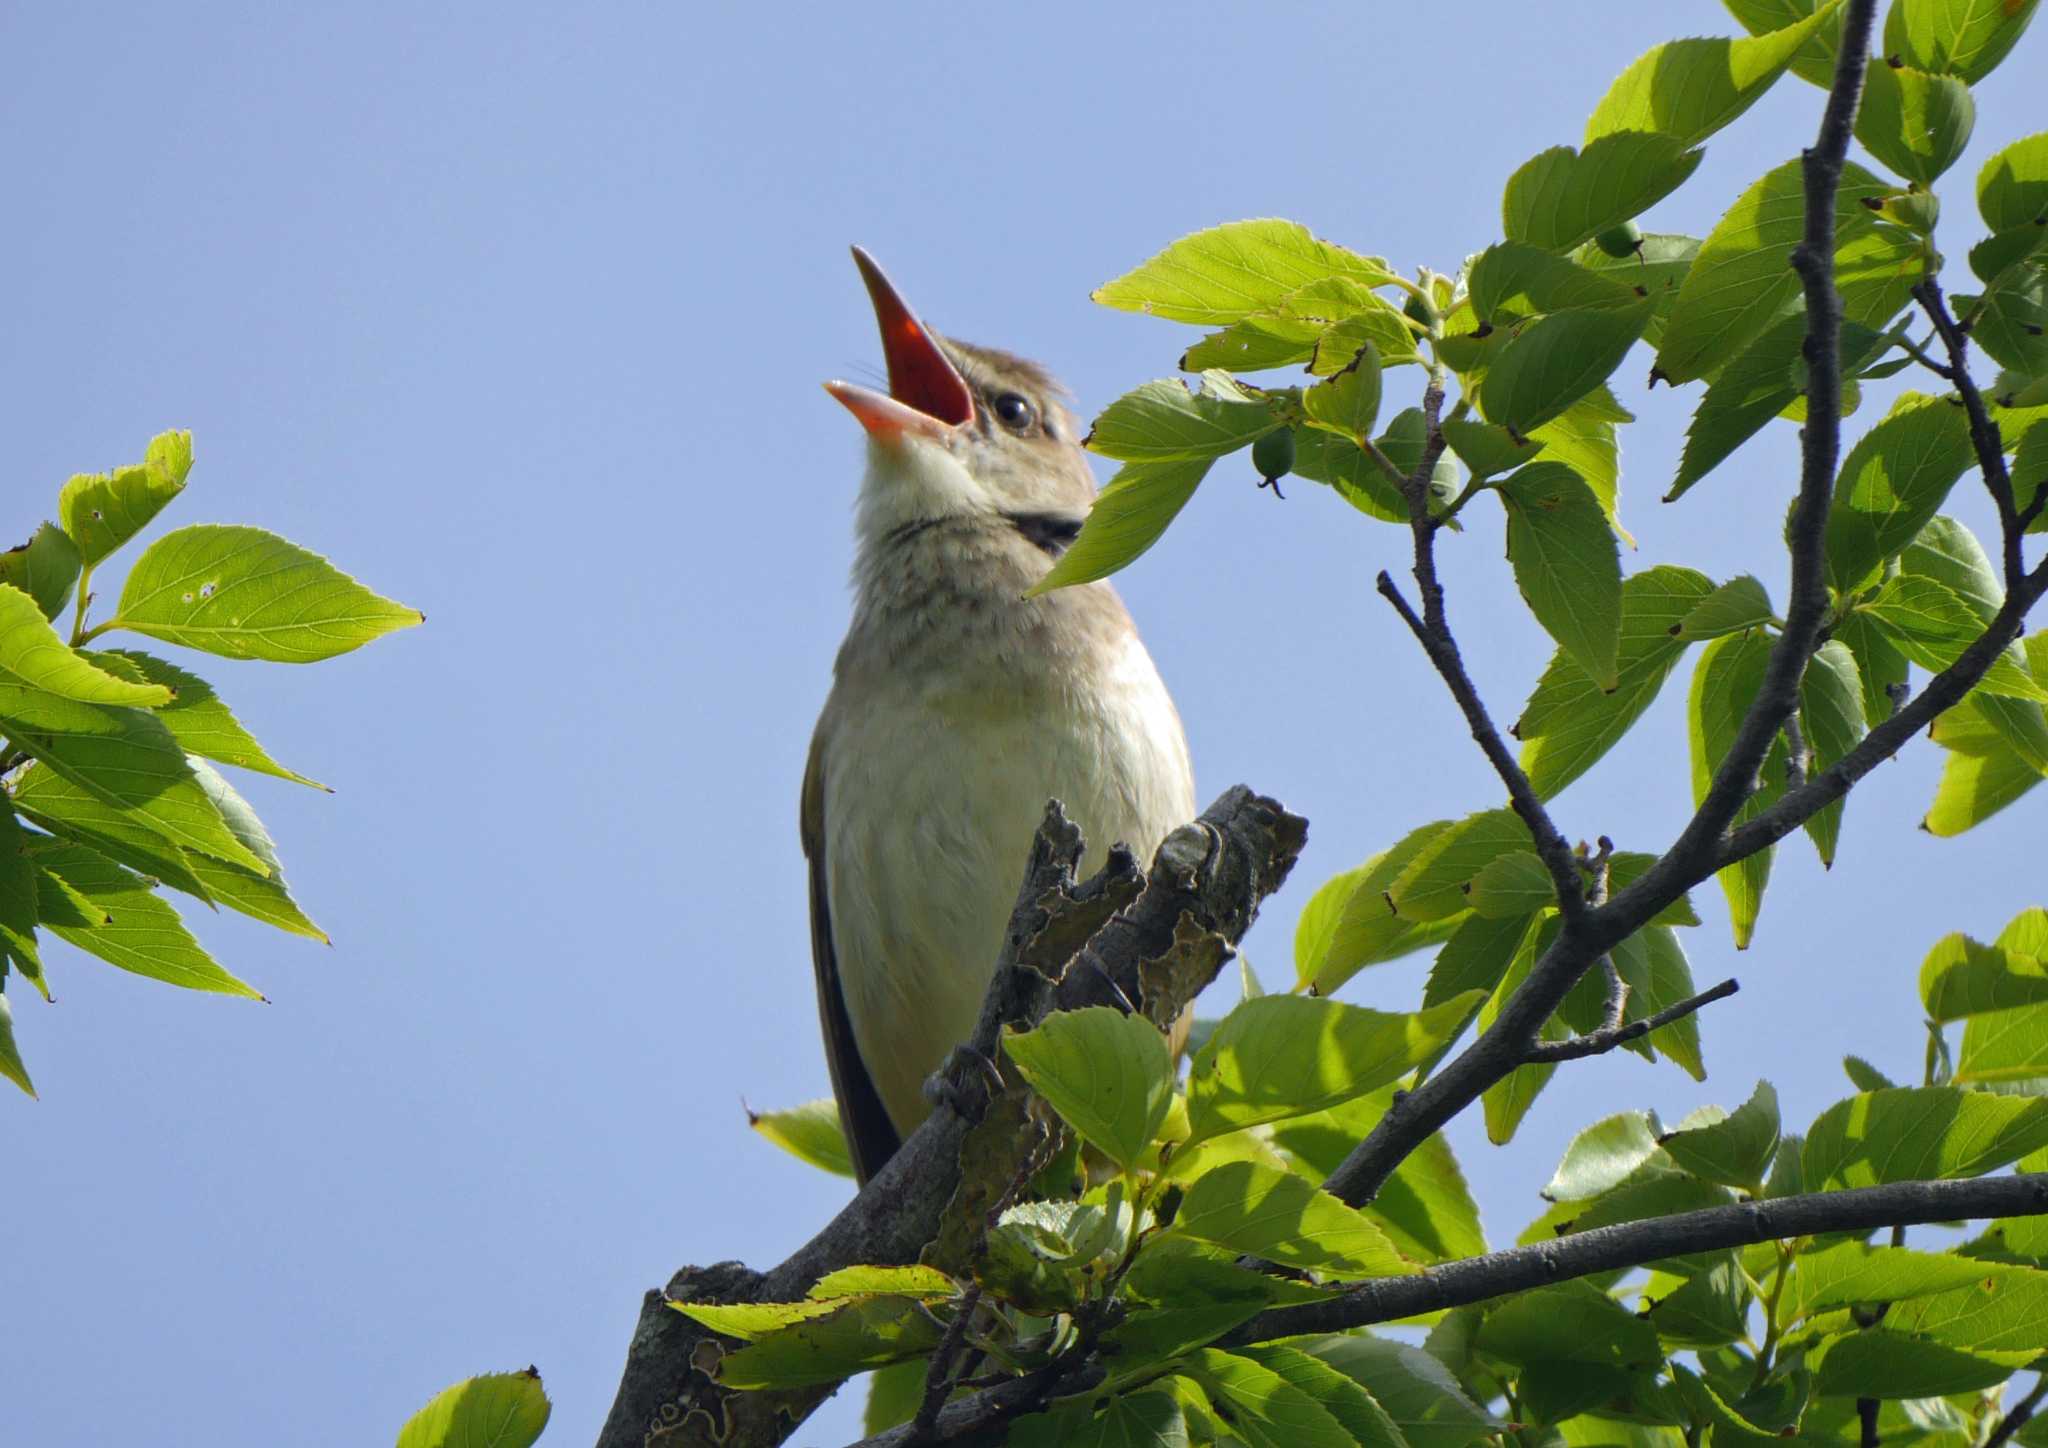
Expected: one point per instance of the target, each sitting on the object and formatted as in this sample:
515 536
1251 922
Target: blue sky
519 313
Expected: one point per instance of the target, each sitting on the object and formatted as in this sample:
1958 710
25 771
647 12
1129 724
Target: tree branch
1984 436
1159 937
1634 1244
1588 935
1541 1264
2023 1410
1597 1043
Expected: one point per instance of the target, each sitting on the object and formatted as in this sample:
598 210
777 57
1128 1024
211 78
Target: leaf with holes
101 511
247 594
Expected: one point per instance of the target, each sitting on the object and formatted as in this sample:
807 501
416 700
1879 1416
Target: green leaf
2004 1046
1150 1419
1585 442
101 511
1107 1074
2012 187
1735 1151
1915 123
11 1064
1831 717
126 757
1266 1410
1875 1363
1511 280
1998 1312
1962 977
1426 1207
1323 457
858 1334
1920 1134
1433 885
1955 37
196 716
928 1284
1127 518
1363 1420
1571 1322
1227 272
2010 321
1757 385
1933 627
809 1132
1850 1273
1602 1156
1511 886
1730 671
1348 403
498 1410
1815 60
1569 721
1349 923
1692 88
1742 278
1560 197
1656 271
1255 344
141 933
32 655
1163 421
1566 564
1422 1397
749 1321
1555 361
895 1393
1628 866
260 895
1477 957
74 813
1487 448
1505 1103
1975 787
1653 963
2026 933
1990 257
1879 664
1278 1056
45 568
2029 470
1949 553
1249 1207
1740 603
247 594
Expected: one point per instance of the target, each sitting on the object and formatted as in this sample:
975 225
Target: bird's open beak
927 396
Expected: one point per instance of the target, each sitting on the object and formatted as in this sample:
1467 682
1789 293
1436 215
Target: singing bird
958 708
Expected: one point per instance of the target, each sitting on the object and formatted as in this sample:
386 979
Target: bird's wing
870 1135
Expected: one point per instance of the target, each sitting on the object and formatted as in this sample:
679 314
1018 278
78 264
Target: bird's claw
947 1085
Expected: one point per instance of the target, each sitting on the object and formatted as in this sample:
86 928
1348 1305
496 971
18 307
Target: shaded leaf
1127 518
1735 1151
1740 603
1831 717
1276 1215
196 716
141 933
1560 197
1566 564
1920 1134
45 568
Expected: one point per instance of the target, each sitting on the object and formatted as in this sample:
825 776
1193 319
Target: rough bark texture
1150 939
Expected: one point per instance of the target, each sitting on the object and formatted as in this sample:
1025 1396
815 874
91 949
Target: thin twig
1918 352
938 1378
1442 649
1597 1043
1984 435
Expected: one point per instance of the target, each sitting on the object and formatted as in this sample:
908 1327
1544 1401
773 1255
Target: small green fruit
1273 454
1619 241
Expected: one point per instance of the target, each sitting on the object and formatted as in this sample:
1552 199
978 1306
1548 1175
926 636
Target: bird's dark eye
1014 410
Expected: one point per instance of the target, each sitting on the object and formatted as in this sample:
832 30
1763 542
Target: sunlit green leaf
196 716
1433 885
247 594
1217 276
1742 278
1914 122
1283 1055
1265 1409
809 1132
101 511
1164 421
1962 977
1920 1134
2012 187
1602 1156
1422 1397
1107 1074
857 1334
1875 1363
1740 603
33 656
1831 717
1348 403
1560 197
1955 37
1692 88
1252 1208
1934 627
498 1410
44 568
141 933
1555 361
1127 518
1735 1151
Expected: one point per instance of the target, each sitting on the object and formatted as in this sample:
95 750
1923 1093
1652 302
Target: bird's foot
950 1084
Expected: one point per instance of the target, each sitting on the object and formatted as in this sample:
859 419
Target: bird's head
964 434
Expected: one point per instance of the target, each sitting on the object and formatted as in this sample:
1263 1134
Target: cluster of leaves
1151 1267
1147 1267
108 789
